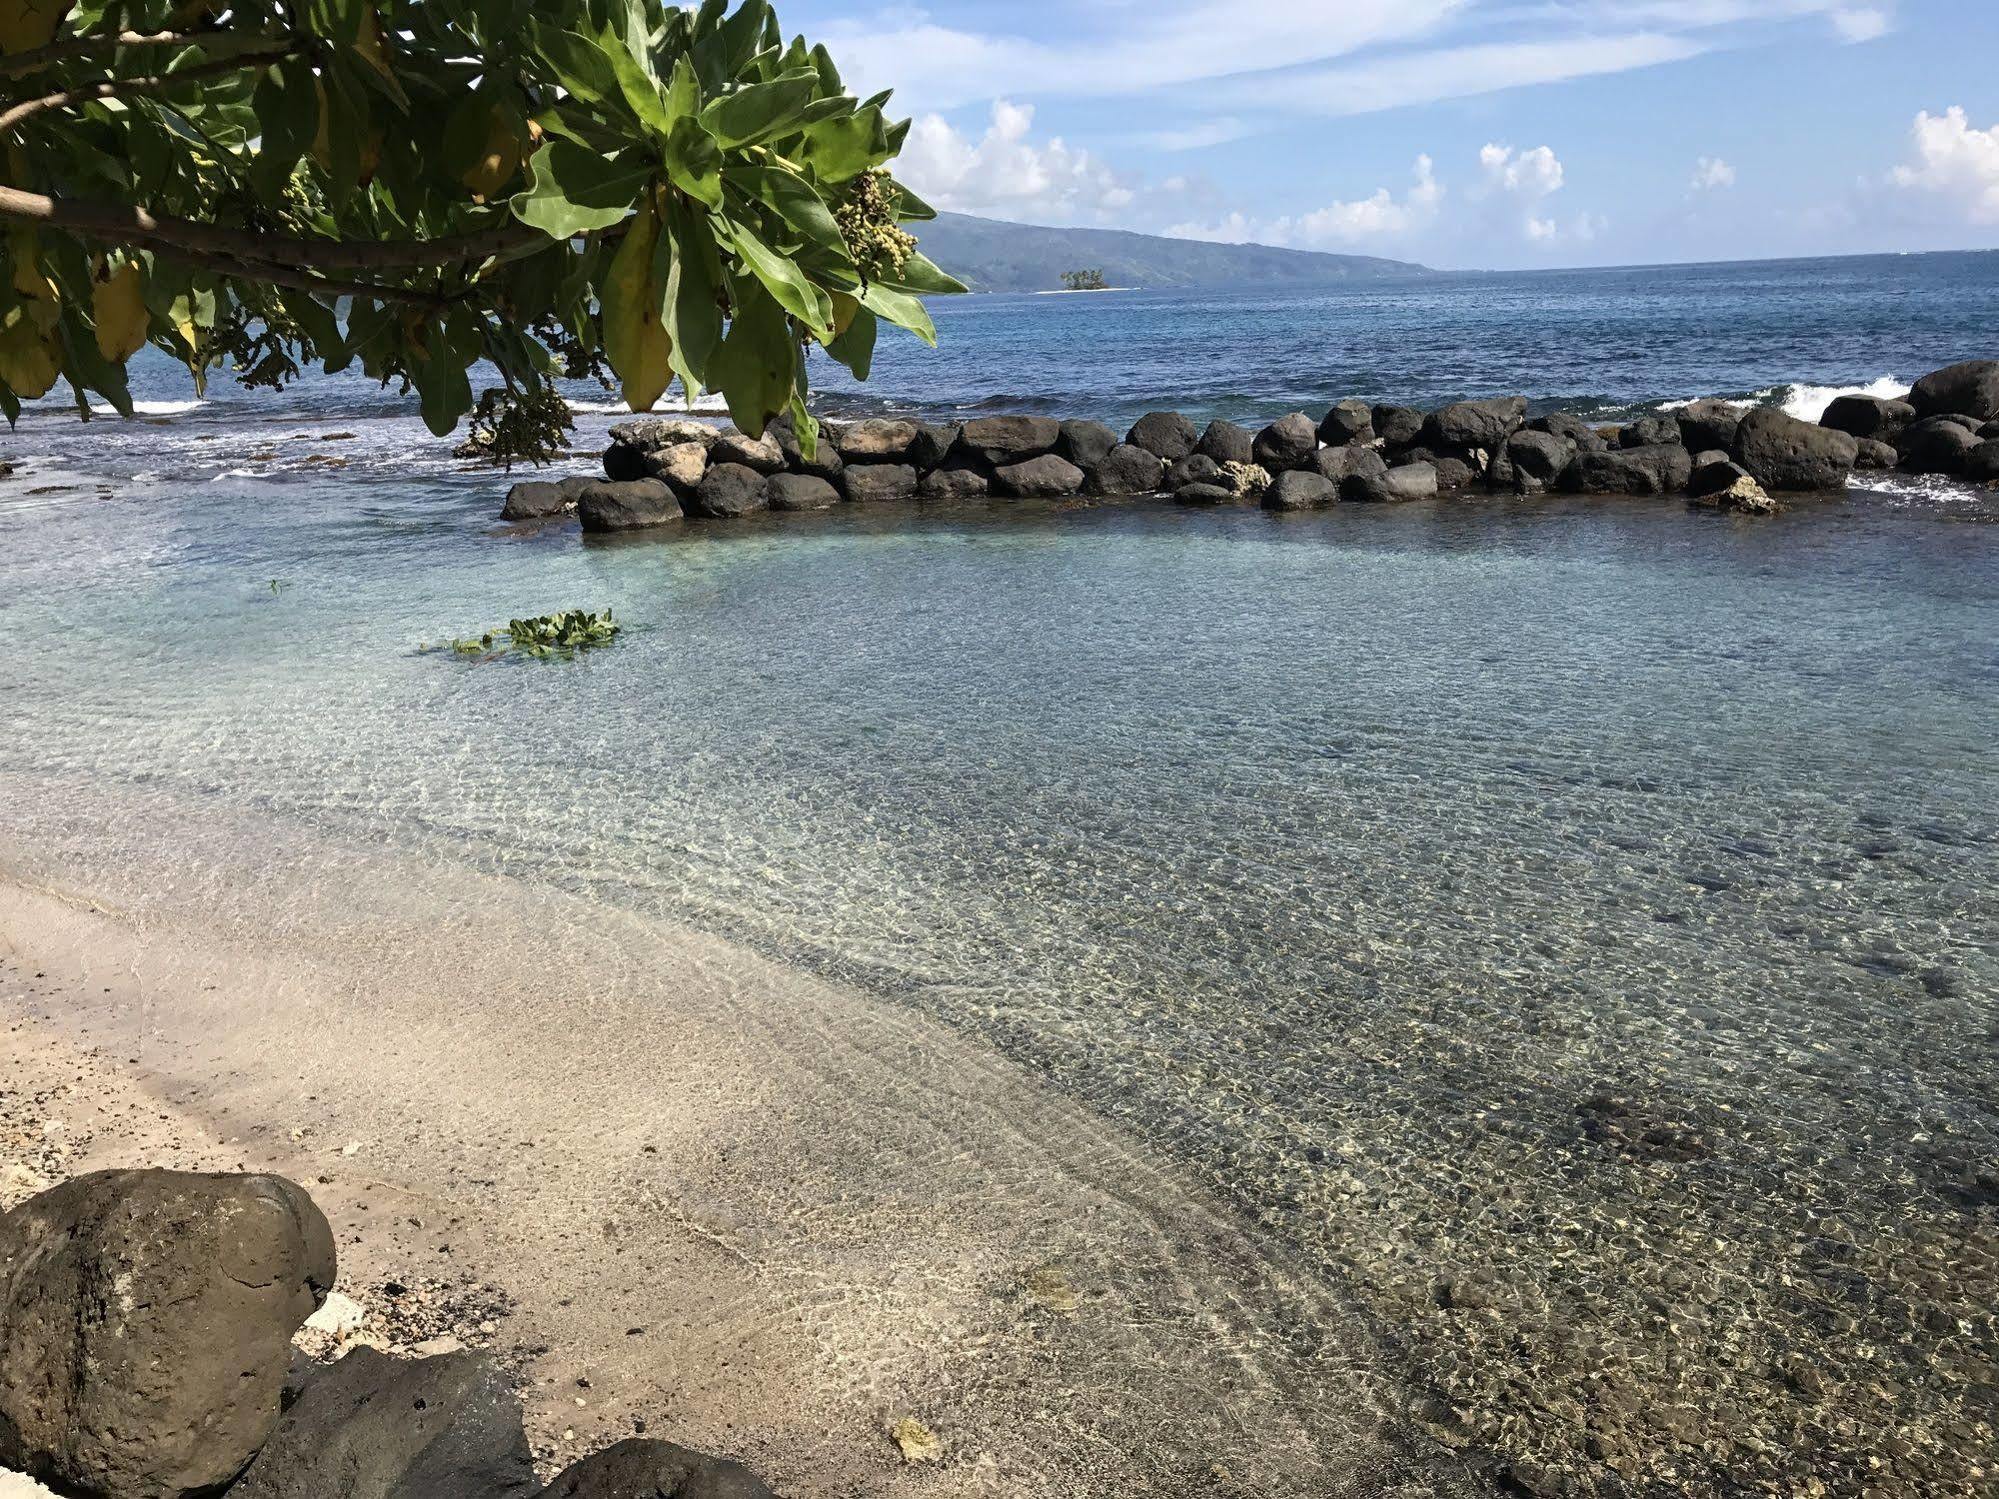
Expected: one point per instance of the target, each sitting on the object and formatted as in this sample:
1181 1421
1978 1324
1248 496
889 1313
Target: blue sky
1461 133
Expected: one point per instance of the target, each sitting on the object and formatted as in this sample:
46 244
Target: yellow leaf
43 307
27 24
844 308
118 303
502 158
28 363
635 340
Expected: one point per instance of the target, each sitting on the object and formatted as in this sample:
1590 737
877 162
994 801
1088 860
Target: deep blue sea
1570 926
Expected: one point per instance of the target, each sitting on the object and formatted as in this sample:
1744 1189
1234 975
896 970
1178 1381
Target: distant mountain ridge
992 255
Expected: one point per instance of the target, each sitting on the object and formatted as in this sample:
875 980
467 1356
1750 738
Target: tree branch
19 64
111 88
120 223
297 280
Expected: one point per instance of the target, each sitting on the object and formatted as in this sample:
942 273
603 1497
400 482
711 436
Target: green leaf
441 382
785 280
635 339
573 190
844 147
920 274
754 365
900 308
759 111
855 348
581 66
286 102
691 311
795 201
694 162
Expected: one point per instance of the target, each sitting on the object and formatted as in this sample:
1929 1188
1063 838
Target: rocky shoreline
660 471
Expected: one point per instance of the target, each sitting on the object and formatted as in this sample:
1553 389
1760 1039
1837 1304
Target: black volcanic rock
1225 442
1044 477
1085 444
1348 421
630 506
1127 470
1397 426
1167 433
1474 424
1289 442
728 490
1782 452
1706 424
1868 416
1407 481
1008 439
1300 489
1970 388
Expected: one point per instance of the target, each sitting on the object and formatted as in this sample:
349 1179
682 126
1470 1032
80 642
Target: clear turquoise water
1571 925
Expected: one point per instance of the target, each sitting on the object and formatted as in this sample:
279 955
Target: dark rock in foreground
1043 478
1868 416
1225 442
1475 424
1785 453
878 483
373 1427
800 492
1205 494
1085 444
629 506
1408 481
1300 489
1288 442
1707 424
1935 445
640 1469
146 1320
1195 468
1970 388
954 481
1347 421
1009 439
1656 468
1337 463
1166 433
728 490
875 441
1128 470
1982 462
541 499
1397 426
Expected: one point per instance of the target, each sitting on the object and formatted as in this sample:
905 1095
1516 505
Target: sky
1458 133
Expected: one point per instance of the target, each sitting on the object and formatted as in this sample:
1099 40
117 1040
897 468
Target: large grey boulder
1572 429
1397 426
1785 453
878 483
1406 481
1452 472
800 492
1300 489
1085 444
1205 495
1707 424
630 506
1538 455
931 445
1127 470
1288 442
1195 468
1336 463
760 453
1652 431
373 1427
652 432
1934 445
1008 439
1981 464
728 490
681 464
876 440
1874 453
1045 477
1868 416
1713 473
1656 468
825 462
1225 442
1348 421
542 499
1166 433
146 1320
1475 424
1971 388
954 481
641 1469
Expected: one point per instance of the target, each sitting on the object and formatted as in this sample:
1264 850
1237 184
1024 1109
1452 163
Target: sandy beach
684 1190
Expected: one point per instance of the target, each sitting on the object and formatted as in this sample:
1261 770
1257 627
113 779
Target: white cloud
1005 171
1193 137
1956 166
1861 23
1522 174
1360 223
1711 172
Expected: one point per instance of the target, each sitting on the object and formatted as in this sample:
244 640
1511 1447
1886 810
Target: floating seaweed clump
545 637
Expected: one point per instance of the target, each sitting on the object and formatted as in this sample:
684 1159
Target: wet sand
689 1191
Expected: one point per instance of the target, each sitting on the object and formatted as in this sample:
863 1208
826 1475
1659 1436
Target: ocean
1569 926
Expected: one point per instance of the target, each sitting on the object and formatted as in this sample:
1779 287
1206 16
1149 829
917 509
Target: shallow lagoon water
1570 926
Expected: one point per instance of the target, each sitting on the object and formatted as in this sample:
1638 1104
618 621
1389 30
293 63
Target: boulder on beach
1205 495
650 432
931 445
1785 453
1707 424
760 453
1656 468
1571 429
954 481
876 440
374 1427
1474 424
1085 444
1540 456
800 492
1934 445
1406 481
1452 472
1225 442
629 506
825 462
640 1469
878 483
1195 468
1166 433
1397 426
1970 388
1867 416
1042 478
1288 442
1300 489
680 464
1874 453
728 490
1348 421
1981 464
1336 463
1009 439
1127 470
1656 431
540 499
146 1320
624 461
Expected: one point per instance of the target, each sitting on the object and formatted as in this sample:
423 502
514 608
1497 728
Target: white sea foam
709 401
151 408
1805 402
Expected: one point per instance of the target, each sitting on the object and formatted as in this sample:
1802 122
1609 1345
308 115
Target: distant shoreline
1077 291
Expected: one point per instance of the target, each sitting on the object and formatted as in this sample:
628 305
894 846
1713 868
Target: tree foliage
558 188
1084 281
